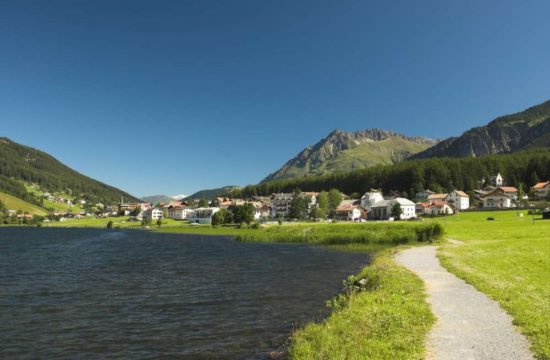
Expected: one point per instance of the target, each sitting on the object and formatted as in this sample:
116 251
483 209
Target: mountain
179 197
529 129
21 164
210 194
155 199
345 151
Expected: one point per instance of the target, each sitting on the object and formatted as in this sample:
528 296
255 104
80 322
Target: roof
502 189
508 189
348 205
461 193
437 196
541 185
403 201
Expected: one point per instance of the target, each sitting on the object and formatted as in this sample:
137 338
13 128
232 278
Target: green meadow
508 259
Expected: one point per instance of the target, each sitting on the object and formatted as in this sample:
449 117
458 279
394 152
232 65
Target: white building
459 199
179 212
501 197
382 209
370 198
203 215
153 214
438 208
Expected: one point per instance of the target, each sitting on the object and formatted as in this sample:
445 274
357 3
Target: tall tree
334 199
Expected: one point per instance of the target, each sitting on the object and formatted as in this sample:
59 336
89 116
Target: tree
318 213
322 202
334 199
136 211
298 207
203 203
220 217
396 211
110 225
534 178
159 222
243 213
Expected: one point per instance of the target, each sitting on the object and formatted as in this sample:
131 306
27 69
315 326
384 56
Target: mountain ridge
527 129
349 150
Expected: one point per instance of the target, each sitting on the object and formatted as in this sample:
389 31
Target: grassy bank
508 259
341 234
389 319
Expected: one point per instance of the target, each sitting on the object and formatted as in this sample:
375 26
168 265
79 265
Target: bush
255 226
490 219
110 225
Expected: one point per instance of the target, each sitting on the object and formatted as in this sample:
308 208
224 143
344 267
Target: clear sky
176 96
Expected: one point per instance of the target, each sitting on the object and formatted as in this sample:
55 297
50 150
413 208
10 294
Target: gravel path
469 324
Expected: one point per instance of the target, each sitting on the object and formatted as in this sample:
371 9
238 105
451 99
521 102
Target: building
497 181
179 212
382 210
349 210
203 215
501 197
438 207
153 214
542 190
281 203
459 199
370 198
128 208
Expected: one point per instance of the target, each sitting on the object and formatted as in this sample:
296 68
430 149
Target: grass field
13 203
508 259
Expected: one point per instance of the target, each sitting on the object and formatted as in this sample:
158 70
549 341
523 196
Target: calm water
75 294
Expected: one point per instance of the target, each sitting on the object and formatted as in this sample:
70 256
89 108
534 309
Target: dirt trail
469 324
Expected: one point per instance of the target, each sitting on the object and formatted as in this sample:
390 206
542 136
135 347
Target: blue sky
176 96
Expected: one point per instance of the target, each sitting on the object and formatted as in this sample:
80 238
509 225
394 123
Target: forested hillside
408 177
19 163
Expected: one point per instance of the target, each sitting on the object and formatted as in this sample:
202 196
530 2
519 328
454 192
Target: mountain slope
345 151
528 129
155 199
19 163
11 202
210 194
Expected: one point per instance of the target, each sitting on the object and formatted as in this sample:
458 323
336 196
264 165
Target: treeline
22 163
408 177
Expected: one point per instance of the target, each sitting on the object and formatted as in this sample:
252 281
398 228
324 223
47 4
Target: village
373 205
494 193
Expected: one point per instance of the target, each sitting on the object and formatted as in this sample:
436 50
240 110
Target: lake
90 293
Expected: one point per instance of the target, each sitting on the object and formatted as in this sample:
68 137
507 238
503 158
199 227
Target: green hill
21 164
346 151
13 203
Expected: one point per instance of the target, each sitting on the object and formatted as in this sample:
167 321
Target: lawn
508 259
